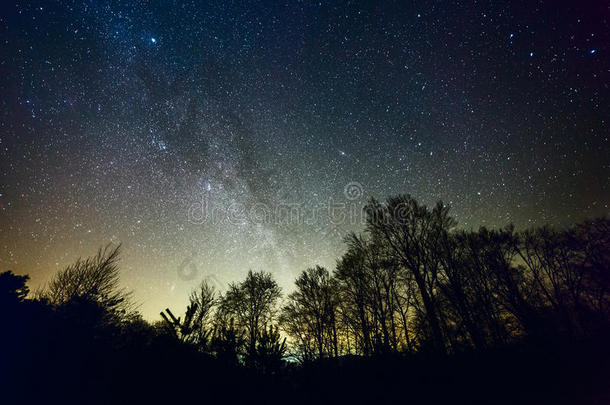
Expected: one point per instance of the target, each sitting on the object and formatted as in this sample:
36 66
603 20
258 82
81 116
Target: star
273 113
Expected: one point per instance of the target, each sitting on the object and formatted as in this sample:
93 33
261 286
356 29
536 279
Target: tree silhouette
268 355
227 341
413 305
310 313
413 232
196 328
252 306
13 288
94 280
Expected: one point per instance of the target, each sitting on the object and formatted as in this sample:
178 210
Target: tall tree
311 312
252 304
413 232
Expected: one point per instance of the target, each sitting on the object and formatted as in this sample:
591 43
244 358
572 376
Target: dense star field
214 138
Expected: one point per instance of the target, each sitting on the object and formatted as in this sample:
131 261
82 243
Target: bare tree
196 328
569 270
413 232
252 304
310 313
95 279
353 292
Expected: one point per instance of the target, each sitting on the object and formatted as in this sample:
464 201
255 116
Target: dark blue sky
119 119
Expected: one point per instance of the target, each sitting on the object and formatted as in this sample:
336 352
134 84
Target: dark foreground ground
44 371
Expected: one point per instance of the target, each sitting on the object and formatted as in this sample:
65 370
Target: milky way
211 138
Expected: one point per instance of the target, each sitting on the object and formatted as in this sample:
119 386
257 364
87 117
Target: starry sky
214 137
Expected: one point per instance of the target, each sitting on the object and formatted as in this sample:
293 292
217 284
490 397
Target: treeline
411 286
412 283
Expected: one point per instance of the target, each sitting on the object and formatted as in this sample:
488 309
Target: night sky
213 138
